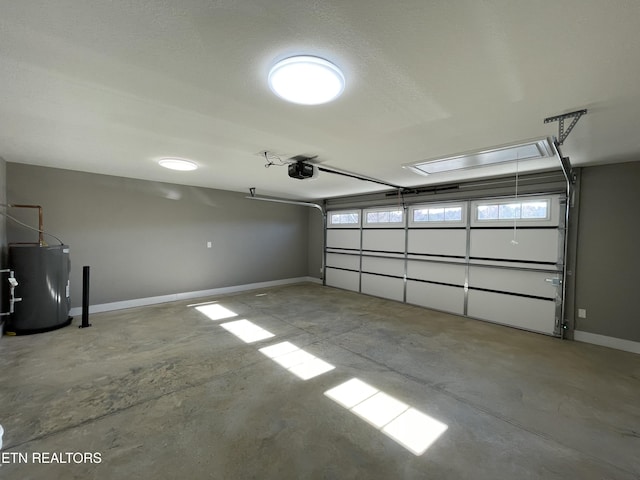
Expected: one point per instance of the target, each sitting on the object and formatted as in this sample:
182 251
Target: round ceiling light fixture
306 80
177 164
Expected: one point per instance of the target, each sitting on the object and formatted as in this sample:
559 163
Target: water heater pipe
40 220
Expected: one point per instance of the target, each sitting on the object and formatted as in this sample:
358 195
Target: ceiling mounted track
252 196
252 193
357 176
562 133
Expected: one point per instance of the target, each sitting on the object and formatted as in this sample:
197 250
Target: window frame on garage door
461 222
384 224
355 224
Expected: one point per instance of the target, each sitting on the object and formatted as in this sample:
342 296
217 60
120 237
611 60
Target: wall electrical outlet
582 313
208 244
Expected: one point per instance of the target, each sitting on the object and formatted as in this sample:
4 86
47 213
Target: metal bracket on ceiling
562 134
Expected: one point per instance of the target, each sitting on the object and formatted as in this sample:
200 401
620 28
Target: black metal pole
85 297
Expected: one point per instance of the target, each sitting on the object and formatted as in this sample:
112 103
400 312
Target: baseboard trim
141 302
604 341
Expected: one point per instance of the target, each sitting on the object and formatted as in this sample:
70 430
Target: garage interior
430 276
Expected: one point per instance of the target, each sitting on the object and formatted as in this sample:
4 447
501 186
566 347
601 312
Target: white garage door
499 259
343 240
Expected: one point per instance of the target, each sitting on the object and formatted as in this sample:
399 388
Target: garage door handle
553 281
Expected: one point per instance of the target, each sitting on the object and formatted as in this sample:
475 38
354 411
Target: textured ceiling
110 86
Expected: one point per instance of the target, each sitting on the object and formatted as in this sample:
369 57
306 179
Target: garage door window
511 210
344 219
449 215
384 216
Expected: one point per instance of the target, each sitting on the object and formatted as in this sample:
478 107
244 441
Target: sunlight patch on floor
216 311
246 331
414 430
299 362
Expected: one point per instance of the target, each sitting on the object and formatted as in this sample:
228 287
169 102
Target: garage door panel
436 272
515 281
438 241
350 262
438 297
385 287
341 238
384 240
386 266
521 312
477 266
534 245
342 279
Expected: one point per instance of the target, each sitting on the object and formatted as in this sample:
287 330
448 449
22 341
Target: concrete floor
164 392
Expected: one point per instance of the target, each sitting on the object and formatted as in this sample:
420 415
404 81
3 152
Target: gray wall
145 239
3 240
608 253
315 244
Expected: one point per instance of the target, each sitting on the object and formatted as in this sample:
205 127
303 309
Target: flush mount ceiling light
306 80
177 164
528 150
